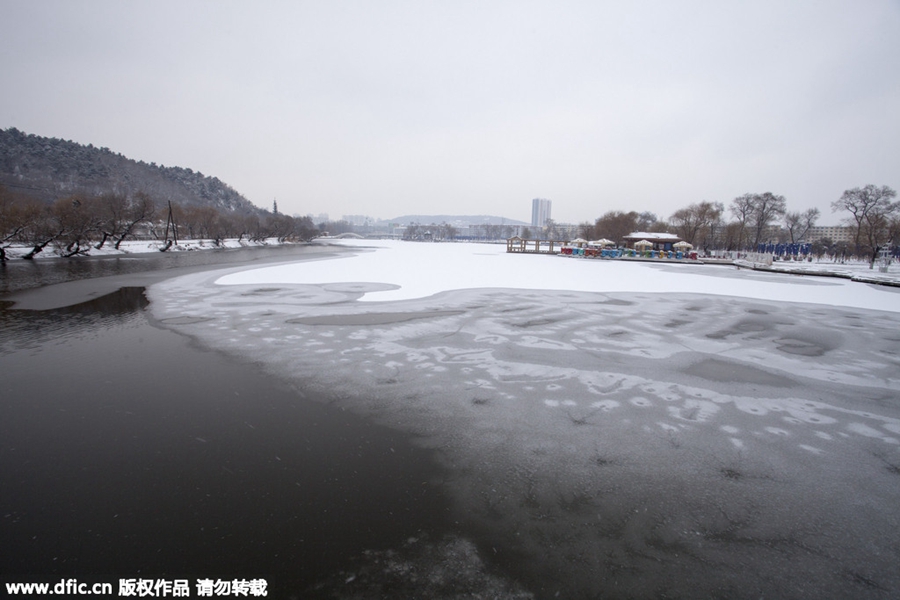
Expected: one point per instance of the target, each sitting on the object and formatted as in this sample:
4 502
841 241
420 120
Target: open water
128 452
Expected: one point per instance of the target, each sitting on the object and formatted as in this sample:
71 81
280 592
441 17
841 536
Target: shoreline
145 247
76 287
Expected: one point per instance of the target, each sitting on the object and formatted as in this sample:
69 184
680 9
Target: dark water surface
127 452
18 274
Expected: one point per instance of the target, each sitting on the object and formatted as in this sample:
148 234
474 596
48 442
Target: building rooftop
644 235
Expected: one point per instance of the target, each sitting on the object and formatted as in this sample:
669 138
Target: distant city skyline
392 108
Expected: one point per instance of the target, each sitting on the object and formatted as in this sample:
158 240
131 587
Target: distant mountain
455 220
51 168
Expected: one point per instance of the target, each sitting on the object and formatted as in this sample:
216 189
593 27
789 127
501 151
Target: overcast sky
386 108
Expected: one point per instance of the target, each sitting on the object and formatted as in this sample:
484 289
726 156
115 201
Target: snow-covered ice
628 428
420 270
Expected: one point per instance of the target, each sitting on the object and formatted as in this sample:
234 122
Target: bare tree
872 212
280 226
140 209
715 229
551 229
304 229
119 216
742 210
586 230
16 215
448 231
111 208
757 212
244 225
767 209
798 224
695 223
615 225
413 231
648 221
69 223
733 236
894 229
40 232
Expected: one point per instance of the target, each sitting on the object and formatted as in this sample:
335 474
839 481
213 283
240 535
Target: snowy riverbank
128 247
858 271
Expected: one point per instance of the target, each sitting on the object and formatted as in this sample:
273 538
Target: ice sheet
419 270
626 428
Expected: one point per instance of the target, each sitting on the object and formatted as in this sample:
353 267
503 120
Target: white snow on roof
644 235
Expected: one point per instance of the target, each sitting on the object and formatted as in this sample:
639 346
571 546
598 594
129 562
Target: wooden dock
517 244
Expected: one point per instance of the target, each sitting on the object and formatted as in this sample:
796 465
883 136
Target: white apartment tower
540 212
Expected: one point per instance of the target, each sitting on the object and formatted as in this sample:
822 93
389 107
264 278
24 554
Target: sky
386 108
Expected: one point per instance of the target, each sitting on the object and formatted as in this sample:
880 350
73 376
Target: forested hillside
51 168
75 199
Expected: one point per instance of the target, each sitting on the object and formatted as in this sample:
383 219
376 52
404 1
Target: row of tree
760 218
74 224
433 232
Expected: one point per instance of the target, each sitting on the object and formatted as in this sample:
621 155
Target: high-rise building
540 212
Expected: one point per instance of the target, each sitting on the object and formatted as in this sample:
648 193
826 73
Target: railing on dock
517 244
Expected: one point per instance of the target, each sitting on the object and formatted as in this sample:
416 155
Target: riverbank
858 271
132 247
85 277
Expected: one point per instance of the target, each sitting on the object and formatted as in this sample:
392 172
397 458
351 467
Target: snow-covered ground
626 429
851 269
142 247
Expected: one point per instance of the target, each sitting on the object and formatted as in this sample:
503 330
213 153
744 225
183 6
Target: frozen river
434 419
609 429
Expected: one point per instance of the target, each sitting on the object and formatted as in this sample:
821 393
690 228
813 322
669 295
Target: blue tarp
784 249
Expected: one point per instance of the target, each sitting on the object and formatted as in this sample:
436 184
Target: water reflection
18 274
29 329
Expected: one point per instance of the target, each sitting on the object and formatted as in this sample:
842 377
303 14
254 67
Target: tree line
74 224
432 232
758 218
